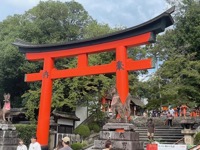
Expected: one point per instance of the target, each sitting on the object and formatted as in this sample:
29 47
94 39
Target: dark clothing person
178 110
169 119
150 129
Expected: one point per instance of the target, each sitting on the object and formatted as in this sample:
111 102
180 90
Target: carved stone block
119 145
114 126
121 135
8 148
8 133
8 137
125 136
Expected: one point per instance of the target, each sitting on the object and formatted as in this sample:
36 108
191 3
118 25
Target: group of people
64 145
33 146
151 126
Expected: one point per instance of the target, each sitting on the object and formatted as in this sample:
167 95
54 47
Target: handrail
179 140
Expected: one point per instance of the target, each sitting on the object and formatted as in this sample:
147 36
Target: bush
77 146
197 139
94 126
84 143
83 131
25 132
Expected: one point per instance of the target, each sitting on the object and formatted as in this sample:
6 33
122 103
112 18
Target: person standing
178 110
59 145
171 110
150 129
34 144
65 142
21 145
169 119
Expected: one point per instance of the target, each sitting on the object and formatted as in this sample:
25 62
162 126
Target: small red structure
152 147
118 42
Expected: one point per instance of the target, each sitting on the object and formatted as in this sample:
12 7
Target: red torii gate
119 41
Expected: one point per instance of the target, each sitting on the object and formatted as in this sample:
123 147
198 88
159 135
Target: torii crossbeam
119 41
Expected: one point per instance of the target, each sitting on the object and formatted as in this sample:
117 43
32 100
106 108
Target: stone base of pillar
121 135
8 137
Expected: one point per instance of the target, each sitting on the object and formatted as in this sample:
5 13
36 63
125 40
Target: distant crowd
174 111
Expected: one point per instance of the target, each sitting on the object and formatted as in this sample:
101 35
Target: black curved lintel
155 25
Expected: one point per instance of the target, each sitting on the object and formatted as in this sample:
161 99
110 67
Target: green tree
53 22
179 48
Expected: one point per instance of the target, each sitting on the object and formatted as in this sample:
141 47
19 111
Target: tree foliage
178 49
53 22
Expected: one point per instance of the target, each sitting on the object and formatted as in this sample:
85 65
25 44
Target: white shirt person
21 145
34 144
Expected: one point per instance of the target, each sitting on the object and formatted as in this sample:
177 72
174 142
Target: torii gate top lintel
155 26
119 41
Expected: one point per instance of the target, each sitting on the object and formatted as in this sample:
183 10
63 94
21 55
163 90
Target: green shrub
197 139
25 131
83 131
94 126
84 143
77 146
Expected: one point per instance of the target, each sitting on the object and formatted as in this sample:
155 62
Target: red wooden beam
132 41
139 64
132 65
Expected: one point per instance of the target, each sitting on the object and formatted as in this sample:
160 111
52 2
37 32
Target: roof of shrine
155 26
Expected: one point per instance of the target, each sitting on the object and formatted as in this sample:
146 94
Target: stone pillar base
8 137
125 139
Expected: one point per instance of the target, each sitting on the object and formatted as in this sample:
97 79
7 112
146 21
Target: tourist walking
65 142
169 119
21 145
34 144
59 145
108 145
150 129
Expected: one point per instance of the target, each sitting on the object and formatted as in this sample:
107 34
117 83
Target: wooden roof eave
155 26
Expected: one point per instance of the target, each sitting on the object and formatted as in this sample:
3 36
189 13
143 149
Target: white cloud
114 12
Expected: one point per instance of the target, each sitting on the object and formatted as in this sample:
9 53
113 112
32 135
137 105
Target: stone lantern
187 123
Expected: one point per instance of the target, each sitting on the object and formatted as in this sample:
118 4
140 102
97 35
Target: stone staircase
163 135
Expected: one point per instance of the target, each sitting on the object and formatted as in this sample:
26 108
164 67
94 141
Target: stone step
163 134
164 129
160 131
160 138
161 127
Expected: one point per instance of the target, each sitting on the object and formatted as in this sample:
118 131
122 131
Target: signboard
171 147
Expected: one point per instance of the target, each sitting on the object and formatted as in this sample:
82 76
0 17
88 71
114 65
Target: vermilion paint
120 66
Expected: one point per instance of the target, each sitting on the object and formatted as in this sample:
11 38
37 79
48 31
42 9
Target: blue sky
114 12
